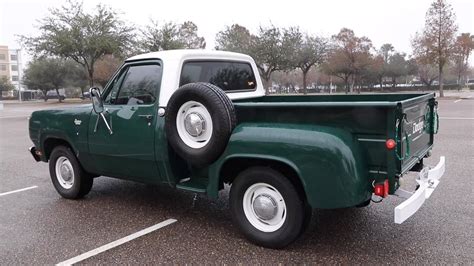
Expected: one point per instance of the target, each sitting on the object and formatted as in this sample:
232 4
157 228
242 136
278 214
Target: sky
383 21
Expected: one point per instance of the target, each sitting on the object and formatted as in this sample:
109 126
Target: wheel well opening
233 167
51 143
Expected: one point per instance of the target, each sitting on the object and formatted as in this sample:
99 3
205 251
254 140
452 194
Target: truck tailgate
416 128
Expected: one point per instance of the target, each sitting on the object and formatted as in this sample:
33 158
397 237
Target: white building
10 66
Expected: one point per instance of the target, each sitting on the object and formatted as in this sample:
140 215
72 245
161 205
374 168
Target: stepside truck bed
372 119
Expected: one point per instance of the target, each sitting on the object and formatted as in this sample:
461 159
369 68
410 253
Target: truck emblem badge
77 122
418 126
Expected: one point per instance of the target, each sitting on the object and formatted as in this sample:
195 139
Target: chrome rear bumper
428 181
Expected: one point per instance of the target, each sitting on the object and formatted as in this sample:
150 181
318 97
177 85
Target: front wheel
67 175
267 207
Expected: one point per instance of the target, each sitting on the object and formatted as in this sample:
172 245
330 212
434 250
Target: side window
112 96
140 85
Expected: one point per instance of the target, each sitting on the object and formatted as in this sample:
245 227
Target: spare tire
199 120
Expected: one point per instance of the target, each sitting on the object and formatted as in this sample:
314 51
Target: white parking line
457 118
18 190
14 116
457 101
117 243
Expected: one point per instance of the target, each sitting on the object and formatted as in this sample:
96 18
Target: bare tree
349 56
105 68
427 74
462 51
435 44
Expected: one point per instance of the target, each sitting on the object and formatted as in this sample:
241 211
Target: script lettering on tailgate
418 126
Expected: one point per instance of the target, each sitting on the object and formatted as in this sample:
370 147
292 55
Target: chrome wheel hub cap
194 124
64 172
265 207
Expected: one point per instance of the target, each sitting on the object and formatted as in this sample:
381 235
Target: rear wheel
267 207
67 175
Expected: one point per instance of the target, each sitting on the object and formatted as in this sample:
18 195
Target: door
130 102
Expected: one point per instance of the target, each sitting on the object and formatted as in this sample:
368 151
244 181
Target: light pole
19 73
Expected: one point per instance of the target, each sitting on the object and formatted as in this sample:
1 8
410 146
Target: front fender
328 160
66 124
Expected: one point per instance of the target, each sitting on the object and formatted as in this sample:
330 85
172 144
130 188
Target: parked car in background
85 95
54 95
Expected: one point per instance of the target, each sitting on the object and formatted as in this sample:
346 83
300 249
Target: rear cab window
229 76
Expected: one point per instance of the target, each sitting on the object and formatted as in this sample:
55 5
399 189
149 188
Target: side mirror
97 102
98 106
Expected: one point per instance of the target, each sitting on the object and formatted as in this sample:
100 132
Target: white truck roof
172 65
190 53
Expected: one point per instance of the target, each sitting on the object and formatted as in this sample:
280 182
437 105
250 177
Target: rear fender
327 160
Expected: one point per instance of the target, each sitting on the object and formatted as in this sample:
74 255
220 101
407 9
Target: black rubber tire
295 219
308 213
82 180
226 99
223 116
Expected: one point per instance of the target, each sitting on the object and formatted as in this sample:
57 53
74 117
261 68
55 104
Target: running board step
198 185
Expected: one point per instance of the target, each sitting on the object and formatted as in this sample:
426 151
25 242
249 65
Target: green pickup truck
196 120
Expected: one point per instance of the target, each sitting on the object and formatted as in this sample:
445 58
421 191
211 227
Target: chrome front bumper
428 181
33 153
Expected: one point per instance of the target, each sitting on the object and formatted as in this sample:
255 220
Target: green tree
70 32
48 73
397 67
268 52
170 36
235 38
386 51
265 47
380 66
77 77
435 44
5 85
188 34
310 52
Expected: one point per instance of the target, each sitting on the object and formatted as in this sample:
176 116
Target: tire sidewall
75 190
294 221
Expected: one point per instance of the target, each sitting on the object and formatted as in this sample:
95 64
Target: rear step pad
198 185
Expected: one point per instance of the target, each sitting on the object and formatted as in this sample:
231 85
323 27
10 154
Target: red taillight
381 189
390 144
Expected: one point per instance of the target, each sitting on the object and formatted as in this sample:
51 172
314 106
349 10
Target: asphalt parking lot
37 226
